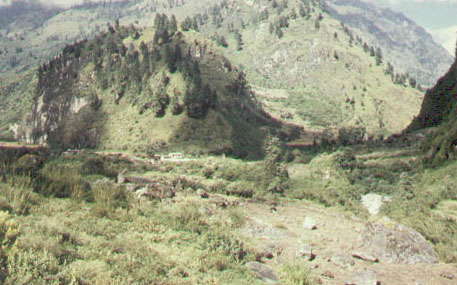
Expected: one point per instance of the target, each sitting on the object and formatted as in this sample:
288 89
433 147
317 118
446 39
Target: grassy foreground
67 220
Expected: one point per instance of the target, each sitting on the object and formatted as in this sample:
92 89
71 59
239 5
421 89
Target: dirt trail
336 236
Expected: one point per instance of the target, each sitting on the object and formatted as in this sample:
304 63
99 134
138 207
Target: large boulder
263 272
395 244
364 277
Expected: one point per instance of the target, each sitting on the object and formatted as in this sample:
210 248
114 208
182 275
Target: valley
225 142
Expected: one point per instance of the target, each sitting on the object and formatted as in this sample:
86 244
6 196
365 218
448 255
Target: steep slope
166 91
408 46
306 71
306 68
439 111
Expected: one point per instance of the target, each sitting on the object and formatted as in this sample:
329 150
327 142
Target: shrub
9 231
345 160
109 197
241 189
97 165
186 217
28 165
296 273
17 196
61 181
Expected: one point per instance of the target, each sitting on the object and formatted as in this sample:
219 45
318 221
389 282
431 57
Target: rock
365 256
155 191
130 187
364 277
342 260
263 272
447 275
266 253
373 202
395 244
120 178
328 274
202 194
136 180
306 252
309 223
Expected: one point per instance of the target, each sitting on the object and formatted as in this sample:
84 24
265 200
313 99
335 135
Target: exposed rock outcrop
395 244
263 272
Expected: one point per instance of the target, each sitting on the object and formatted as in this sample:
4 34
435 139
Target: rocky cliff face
407 45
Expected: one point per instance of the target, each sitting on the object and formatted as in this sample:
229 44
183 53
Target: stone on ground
263 272
342 260
309 223
373 202
306 252
395 244
364 277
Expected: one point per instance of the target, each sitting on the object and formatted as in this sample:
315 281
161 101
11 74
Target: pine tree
274 4
293 14
378 56
239 40
302 11
173 25
186 24
412 82
221 41
372 52
195 24
271 29
279 32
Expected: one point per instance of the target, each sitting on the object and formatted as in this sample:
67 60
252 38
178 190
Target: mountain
307 69
407 45
302 65
149 90
439 114
437 17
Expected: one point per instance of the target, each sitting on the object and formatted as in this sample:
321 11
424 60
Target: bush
109 197
296 274
97 165
345 160
9 231
61 181
240 189
186 217
17 196
28 165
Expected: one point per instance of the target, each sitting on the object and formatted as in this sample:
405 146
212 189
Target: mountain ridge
166 90
418 55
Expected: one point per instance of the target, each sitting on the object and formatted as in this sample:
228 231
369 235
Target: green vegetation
330 82
104 234
107 211
127 79
438 113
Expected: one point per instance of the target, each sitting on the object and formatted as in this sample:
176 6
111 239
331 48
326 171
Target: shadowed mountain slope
145 89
